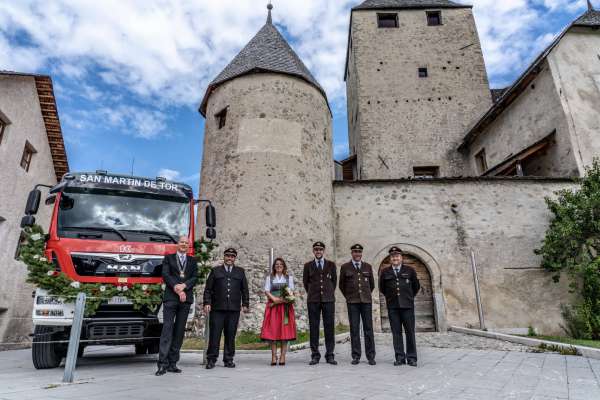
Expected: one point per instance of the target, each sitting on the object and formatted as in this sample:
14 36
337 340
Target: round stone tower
267 162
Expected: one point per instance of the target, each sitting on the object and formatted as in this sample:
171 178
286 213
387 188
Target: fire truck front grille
106 331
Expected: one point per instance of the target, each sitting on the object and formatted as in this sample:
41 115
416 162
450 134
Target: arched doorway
424 312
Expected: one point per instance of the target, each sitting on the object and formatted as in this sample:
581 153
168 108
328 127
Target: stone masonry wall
269 172
576 71
503 221
406 121
531 117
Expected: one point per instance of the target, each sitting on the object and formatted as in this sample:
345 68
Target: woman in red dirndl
279 324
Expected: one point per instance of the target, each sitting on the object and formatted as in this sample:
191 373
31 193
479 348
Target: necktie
357 266
320 265
396 270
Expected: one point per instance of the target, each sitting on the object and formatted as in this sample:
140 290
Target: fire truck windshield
122 216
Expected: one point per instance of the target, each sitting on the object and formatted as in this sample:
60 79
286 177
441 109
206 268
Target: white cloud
174 175
169 174
164 53
340 150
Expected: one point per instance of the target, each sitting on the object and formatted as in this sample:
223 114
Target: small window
423 73
426 172
387 20
221 117
434 18
28 153
481 161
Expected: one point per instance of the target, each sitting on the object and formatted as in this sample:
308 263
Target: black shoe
372 362
210 364
173 368
229 364
412 363
314 361
331 361
355 361
161 371
399 362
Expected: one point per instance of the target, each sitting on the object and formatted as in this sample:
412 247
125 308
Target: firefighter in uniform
356 284
226 290
399 285
320 279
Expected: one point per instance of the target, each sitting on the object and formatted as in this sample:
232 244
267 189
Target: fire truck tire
154 346
45 355
140 349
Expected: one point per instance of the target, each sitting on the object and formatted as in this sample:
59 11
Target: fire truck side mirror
211 217
33 202
211 233
27 221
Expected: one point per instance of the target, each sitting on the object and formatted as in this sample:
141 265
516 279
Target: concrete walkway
443 373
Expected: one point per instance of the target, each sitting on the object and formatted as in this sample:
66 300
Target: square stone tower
415 80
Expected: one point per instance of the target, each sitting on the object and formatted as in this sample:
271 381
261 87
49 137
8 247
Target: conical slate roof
399 4
590 18
268 51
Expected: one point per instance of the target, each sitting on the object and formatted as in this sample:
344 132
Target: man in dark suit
225 293
399 285
180 273
356 284
320 279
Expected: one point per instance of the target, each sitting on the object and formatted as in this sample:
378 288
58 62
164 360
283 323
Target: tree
572 246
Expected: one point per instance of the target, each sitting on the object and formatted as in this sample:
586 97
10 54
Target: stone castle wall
534 115
269 172
439 222
405 121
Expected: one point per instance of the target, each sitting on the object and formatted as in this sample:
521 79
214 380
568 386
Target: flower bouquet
288 298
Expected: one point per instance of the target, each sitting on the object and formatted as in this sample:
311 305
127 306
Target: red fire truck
109 229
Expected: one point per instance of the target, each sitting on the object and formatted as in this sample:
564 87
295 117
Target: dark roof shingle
399 4
268 51
590 18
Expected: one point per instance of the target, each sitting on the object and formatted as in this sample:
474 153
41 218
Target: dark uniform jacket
320 284
226 291
356 286
399 291
171 277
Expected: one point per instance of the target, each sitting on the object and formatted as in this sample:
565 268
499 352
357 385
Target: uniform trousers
315 310
356 313
222 322
403 318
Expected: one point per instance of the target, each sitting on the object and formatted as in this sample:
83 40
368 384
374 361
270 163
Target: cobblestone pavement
455 340
457 370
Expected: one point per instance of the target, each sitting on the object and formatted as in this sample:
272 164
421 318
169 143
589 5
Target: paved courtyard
456 369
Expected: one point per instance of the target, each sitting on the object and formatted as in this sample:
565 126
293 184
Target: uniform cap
395 250
357 247
318 245
231 252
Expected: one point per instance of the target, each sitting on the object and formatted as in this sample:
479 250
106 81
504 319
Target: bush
572 246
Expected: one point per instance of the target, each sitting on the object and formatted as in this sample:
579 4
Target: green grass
562 339
249 340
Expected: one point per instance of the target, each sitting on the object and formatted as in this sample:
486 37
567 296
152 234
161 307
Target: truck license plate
119 300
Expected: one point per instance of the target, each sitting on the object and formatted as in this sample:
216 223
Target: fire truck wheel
45 354
154 347
140 349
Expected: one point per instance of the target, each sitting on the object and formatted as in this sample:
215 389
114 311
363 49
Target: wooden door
424 314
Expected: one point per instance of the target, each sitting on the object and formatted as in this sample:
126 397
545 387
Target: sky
129 75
